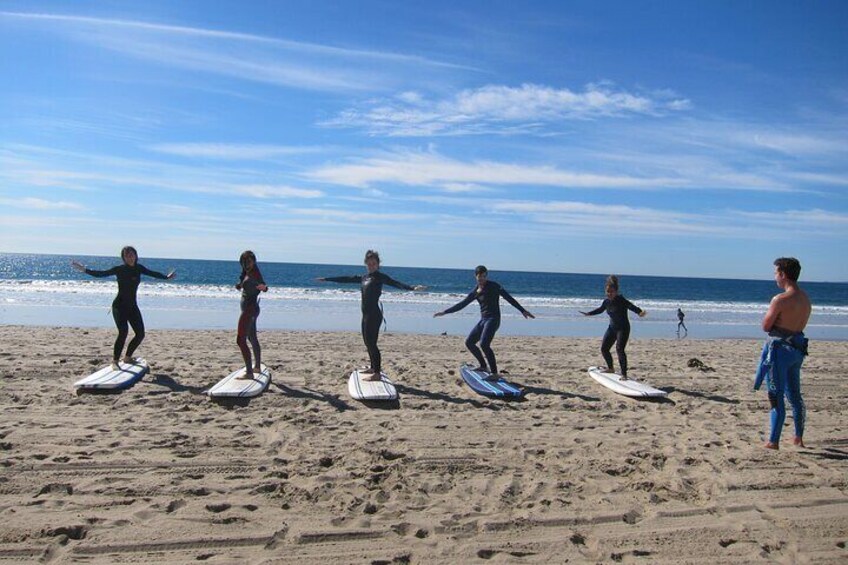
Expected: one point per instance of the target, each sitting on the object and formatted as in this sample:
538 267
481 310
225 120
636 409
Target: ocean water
45 290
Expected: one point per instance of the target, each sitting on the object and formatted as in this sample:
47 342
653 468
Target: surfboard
627 387
480 382
362 389
230 386
110 379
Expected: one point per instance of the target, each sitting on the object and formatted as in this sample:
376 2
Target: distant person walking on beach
784 351
372 312
488 294
125 307
250 284
680 324
618 332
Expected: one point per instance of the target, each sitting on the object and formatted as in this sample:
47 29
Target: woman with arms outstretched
125 309
372 314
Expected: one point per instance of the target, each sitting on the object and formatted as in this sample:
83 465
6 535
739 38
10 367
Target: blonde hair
612 283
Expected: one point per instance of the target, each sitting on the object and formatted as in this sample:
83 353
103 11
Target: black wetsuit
372 313
124 307
249 312
680 316
618 331
490 321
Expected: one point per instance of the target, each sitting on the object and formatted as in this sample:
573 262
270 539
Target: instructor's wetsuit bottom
484 332
778 406
619 337
371 322
124 316
247 332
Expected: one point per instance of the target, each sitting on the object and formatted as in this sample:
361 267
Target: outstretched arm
508 297
93 273
633 308
459 305
397 284
156 274
596 311
347 280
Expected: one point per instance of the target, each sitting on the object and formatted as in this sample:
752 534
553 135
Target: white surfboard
108 378
362 389
627 387
242 388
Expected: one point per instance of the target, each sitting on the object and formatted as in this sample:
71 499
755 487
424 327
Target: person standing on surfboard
783 354
372 312
250 284
488 294
618 331
125 307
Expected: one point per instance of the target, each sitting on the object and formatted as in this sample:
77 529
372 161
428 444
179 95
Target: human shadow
310 394
696 394
561 394
830 453
169 383
442 397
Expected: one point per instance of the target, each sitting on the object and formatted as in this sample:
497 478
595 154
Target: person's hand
262 287
419 287
78 266
172 274
438 314
585 313
320 279
528 315
643 313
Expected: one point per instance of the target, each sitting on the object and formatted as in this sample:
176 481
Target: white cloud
29 203
244 56
230 151
502 109
430 169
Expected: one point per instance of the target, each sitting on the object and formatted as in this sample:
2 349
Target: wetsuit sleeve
354 279
155 274
598 310
397 284
508 297
632 307
99 274
465 302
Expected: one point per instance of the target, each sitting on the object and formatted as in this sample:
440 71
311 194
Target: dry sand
304 474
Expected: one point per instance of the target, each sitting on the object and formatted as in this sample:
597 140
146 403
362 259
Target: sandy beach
304 474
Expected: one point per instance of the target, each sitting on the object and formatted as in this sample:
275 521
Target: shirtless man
784 352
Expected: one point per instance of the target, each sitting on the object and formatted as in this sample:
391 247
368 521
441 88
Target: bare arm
772 315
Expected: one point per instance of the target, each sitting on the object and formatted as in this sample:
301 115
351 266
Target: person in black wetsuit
124 307
618 331
372 313
250 284
488 294
680 324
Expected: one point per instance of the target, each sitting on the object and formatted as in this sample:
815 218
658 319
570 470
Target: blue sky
669 138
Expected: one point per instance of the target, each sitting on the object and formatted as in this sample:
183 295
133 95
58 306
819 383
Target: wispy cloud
503 109
30 203
231 151
245 56
430 169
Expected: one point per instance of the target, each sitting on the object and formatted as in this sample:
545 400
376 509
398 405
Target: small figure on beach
680 324
618 332
125 309
250 284
488 293
784 350
372 311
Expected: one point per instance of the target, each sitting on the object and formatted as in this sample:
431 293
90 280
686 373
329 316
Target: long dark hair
126 250
243 262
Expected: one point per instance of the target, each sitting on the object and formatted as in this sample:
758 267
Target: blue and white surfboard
481 383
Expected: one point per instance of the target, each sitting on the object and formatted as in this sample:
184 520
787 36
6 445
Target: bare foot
373 377
799 442
257 369
130 360
770 445
115 366
247 375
